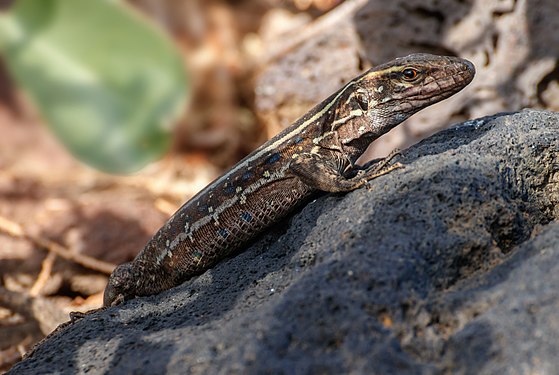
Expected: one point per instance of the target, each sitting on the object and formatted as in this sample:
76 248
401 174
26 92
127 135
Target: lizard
318 152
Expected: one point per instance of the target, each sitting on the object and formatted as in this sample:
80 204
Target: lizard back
317 152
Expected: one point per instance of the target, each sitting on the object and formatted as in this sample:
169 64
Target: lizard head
386 95
117 289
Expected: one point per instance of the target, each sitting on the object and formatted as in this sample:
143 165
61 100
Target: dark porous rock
447 266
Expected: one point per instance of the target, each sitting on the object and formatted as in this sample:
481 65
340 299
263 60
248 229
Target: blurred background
236 72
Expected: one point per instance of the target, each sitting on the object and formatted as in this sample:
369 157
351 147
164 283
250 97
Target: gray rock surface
513 44
448 266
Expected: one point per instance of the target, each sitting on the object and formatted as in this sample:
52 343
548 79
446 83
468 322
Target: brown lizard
317 152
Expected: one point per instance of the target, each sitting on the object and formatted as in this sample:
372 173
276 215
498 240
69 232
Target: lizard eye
362 101
410 74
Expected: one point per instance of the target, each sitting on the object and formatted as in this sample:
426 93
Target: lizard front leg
326 174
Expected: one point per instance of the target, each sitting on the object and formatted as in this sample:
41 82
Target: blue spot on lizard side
247 175
297 140
223 232
273 158
246 216
229 189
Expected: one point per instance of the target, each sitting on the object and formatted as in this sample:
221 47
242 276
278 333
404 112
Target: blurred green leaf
108 83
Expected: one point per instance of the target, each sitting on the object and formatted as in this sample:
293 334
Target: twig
46 269
15 230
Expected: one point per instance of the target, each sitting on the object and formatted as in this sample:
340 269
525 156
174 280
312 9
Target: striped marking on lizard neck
288 136
299 129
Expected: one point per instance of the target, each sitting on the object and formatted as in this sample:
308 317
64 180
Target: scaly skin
317 152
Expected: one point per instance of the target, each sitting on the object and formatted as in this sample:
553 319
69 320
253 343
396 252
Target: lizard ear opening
362 100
